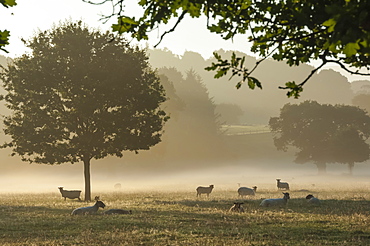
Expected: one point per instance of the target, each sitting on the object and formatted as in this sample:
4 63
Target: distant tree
195 132
323 133
81 95
229 113
362 100
334 31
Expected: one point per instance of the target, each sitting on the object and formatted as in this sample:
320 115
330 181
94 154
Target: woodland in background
200 104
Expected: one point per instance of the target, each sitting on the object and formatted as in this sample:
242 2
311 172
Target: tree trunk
321 167
87 179
350 168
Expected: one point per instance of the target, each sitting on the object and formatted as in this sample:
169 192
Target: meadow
180 218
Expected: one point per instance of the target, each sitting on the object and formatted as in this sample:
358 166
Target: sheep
117 186
71 194
89 210
204 190
237 207
312 200
118 211
276 202
282 185
244 191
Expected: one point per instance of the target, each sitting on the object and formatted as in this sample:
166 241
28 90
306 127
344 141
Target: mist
45 178
191 158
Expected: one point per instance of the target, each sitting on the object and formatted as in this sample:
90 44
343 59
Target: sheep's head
254 188
286 195
309 196
238 204
212 186
100 204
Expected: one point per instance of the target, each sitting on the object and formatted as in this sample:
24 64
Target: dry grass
179 218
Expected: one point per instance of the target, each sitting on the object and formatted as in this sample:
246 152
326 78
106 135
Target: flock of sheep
237 207
245 191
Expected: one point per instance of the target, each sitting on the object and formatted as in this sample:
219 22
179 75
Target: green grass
179 218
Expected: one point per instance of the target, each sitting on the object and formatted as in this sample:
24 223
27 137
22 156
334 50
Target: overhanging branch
346 69
173 28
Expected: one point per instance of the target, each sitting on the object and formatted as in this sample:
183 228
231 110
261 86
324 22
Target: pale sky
25 19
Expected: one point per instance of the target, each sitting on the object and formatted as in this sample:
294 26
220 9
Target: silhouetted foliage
297 32
81 95
362 101
323 133
259 105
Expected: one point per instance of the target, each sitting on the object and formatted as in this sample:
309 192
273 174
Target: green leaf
125 24
331 24
294 89
4 39
8 3
351 49
238 85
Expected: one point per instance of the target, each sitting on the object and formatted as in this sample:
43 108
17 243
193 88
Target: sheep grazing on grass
313 200
118 211
71 194
204 190
245 191
237 207
276 202
89 210
282 185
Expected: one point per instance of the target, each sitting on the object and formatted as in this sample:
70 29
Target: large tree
80 95
331 31
323 133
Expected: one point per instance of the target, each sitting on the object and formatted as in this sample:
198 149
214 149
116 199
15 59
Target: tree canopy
81 95
294 31
323 133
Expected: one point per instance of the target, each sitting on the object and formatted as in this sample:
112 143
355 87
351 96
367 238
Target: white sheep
89 210
204 190
71 194
237 207
282 185
245 191
313 200
276 202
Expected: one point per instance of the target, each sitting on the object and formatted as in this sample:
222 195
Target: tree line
82 95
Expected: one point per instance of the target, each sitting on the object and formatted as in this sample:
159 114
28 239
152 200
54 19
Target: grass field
179 218
244 129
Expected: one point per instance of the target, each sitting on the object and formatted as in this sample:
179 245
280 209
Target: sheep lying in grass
89 210
276 202
313 200
245 191
118 211
71 194
204 190
237 207
282 185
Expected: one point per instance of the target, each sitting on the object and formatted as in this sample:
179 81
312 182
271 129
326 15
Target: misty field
179 218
